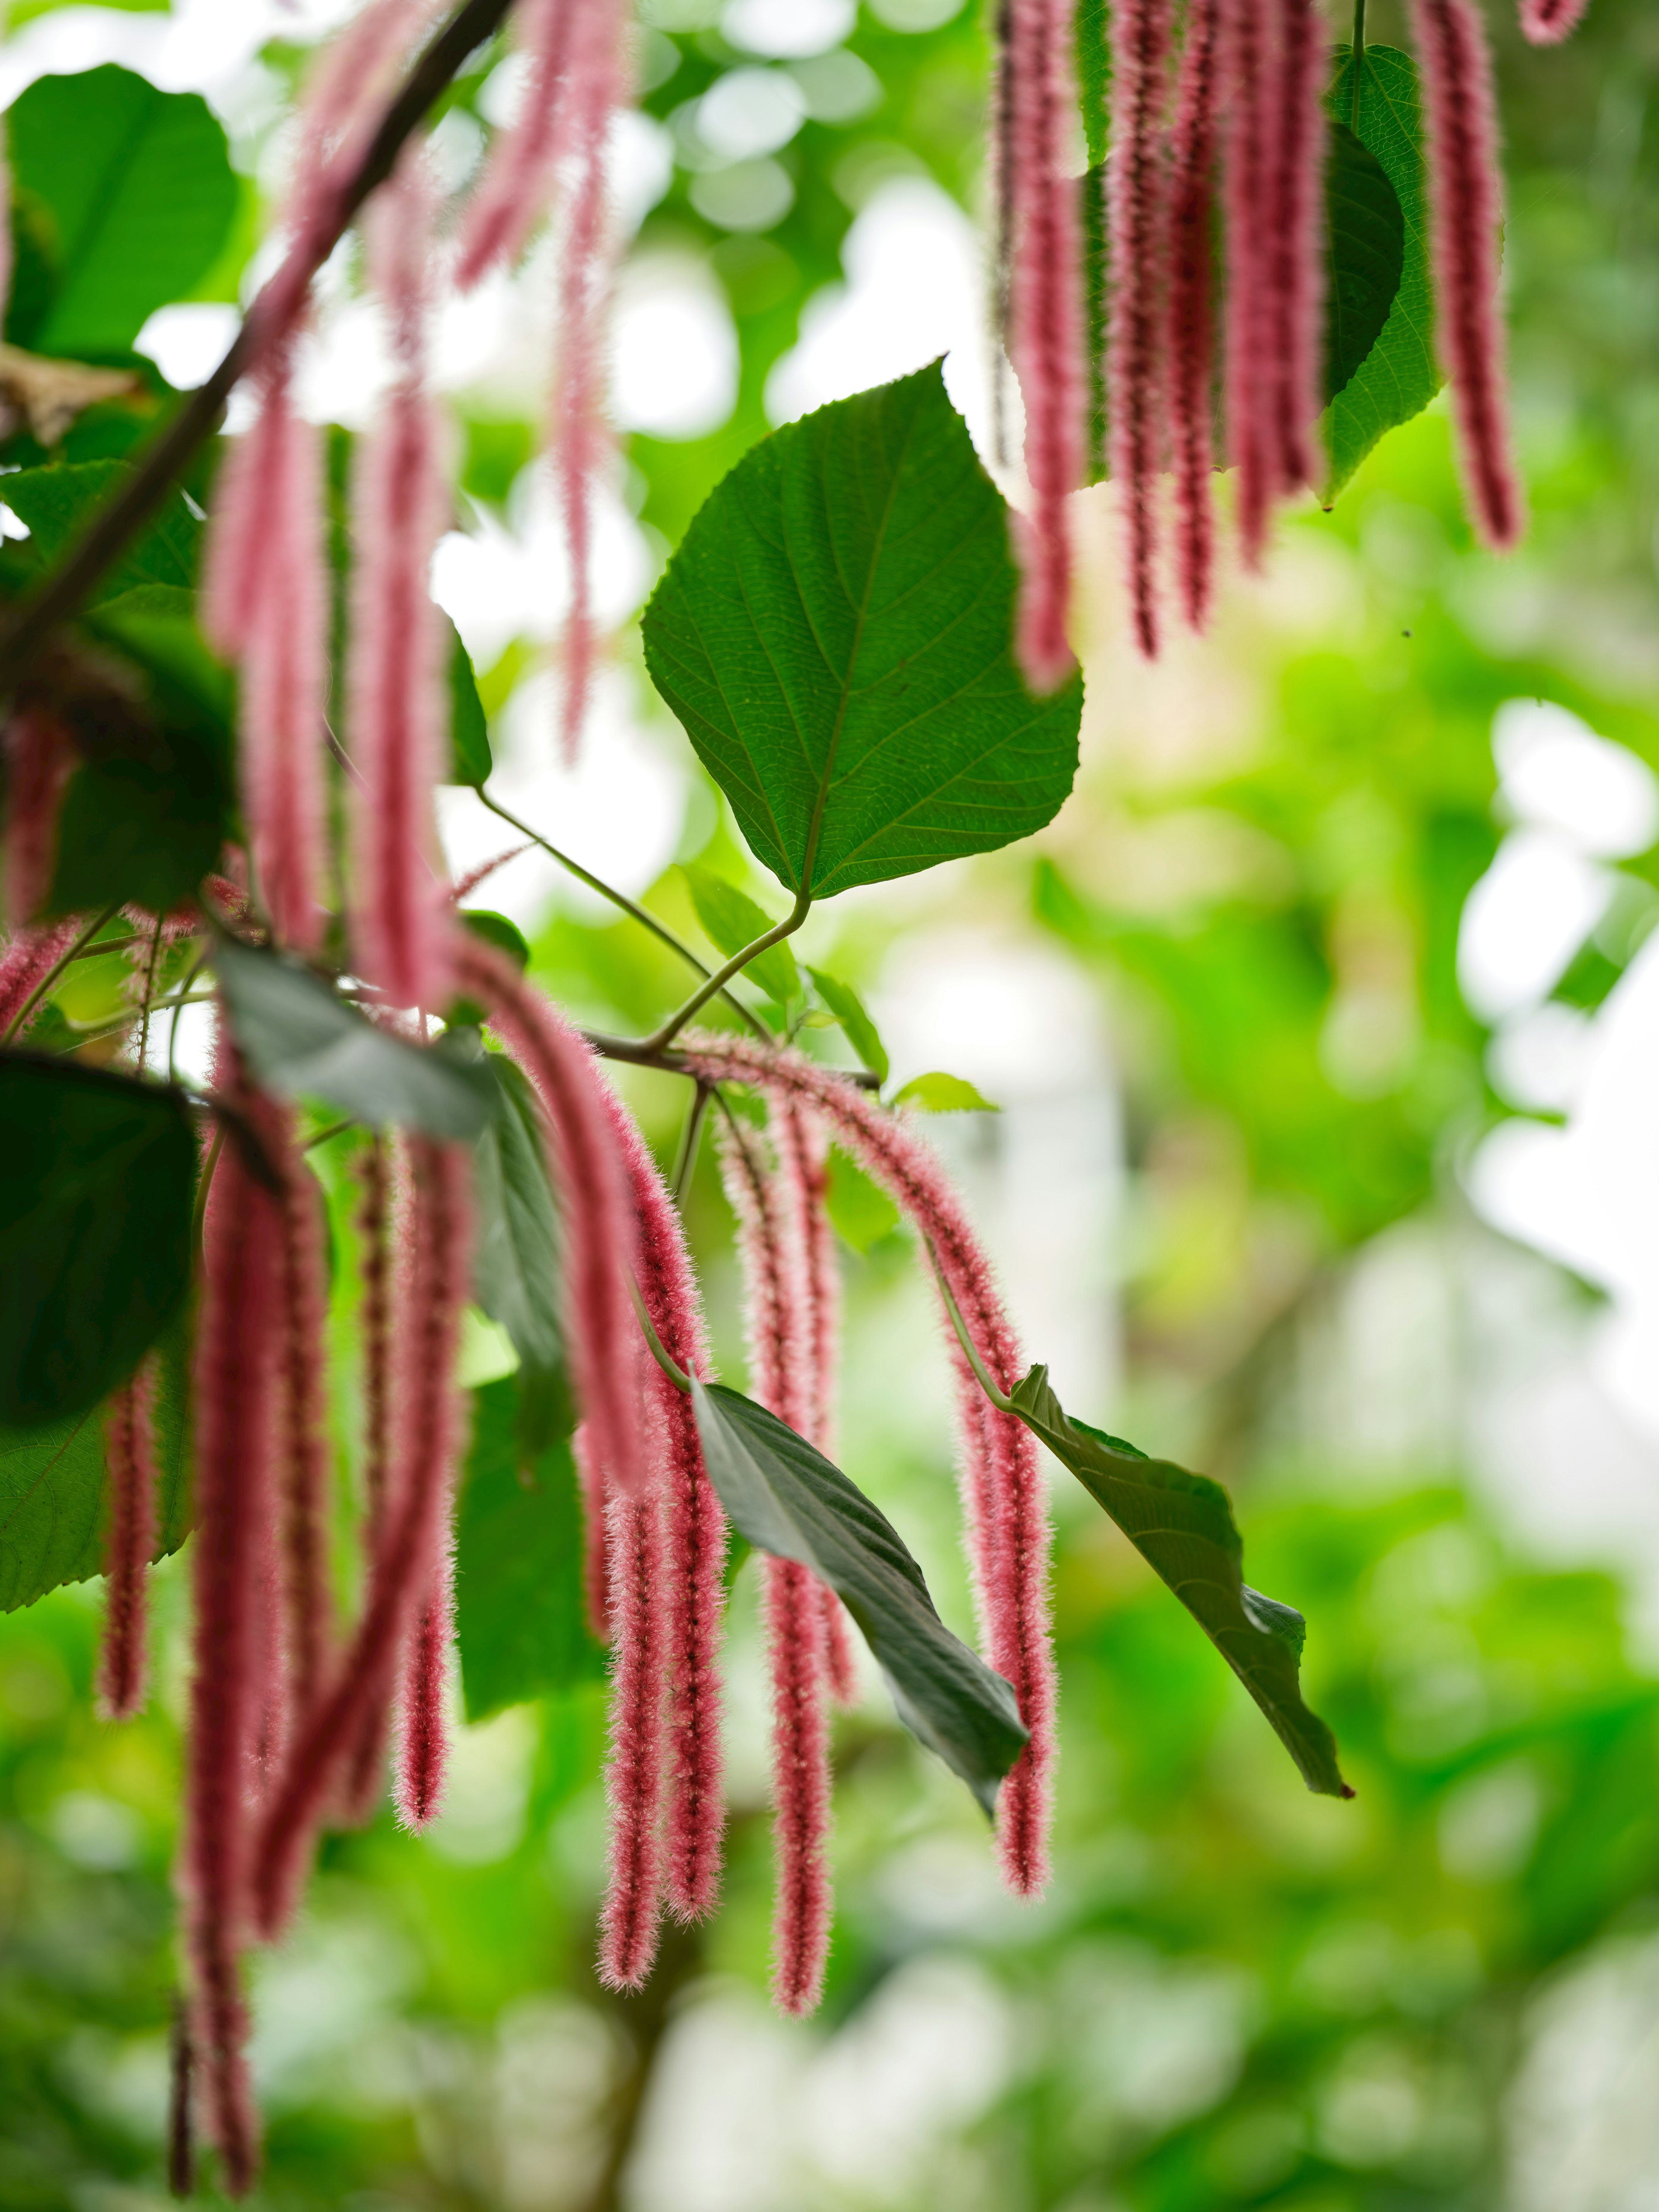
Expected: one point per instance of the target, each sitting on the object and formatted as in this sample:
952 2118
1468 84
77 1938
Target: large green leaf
1364 254
1183 1526
788 1499
97 1176
134 191
520 1618
143 831
834 632
516 1259
732 920
301 1038
52 1483
1398 377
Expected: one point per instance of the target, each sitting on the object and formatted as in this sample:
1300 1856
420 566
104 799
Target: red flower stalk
591 1177
779 1331
26 962
580 439
596 1558
344 100
1192 307
630 1919
1006 1512
1547 22
804 1172
691 1589
396 676
517 181
40 757
1046 319
1466 208
423 1727
1292 308
374 1331
427 1436
1138 190
129 1456
236 1363
1250 370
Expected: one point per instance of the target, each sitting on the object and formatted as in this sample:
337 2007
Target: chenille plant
222 744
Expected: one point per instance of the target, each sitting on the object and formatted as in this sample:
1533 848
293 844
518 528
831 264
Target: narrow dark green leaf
53 1480
849 1010
732 920
135 194
495 929
788 1499
521 1619
834 633
302 1039
1397 378
1183 1526
56 504
516 1262
944 1094
1364 254
470 760
97 1176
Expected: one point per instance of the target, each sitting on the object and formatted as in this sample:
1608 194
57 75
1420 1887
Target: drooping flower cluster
1219 135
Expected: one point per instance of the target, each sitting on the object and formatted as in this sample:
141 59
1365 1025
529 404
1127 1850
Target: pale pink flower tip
1547 22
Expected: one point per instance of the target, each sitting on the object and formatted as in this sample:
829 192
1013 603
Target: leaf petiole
999 1399
676 1375
660 1039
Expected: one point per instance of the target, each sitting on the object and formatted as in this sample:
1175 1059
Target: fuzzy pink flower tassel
1251 370
1294 271
1005 1506
236 1360
1465 210
518 181
422 1725
426 1442
374 1333
1046 320
130 1458
1138 191
1547 22
630 1918
343 99
691 1589
395 677
26 963
1192 307
39 758
591 1178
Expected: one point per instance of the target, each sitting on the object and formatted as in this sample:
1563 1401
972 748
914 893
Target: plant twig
640 913
149 992
268 321
696 1114
792 921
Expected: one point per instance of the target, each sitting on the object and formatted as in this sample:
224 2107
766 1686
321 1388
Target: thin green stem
162 1006
57 970
660 1039
1358 64
999 1399
172 1027
149 990
691 1136
677 1375
322 1136
640 913
198 1218
109 944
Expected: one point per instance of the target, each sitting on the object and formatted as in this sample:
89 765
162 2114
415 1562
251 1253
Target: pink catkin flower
24 966
777 1317
1005 1510
1293 306
691 1587
591 1178
518 181
1250 368
596 1558
374 1332
40 757
1046 319
395 678
1192 307
344 100
129 1456
426 1439
422 1730
1138 192
236 1363
1547 22
628 1920
1466 208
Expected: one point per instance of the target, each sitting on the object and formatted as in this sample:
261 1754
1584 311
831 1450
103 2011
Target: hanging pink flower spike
129 1455
1046 324
398 697
1293 307
517 181
1466 208
1250 370
1196 143
1547 22
629 1921
1137 197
